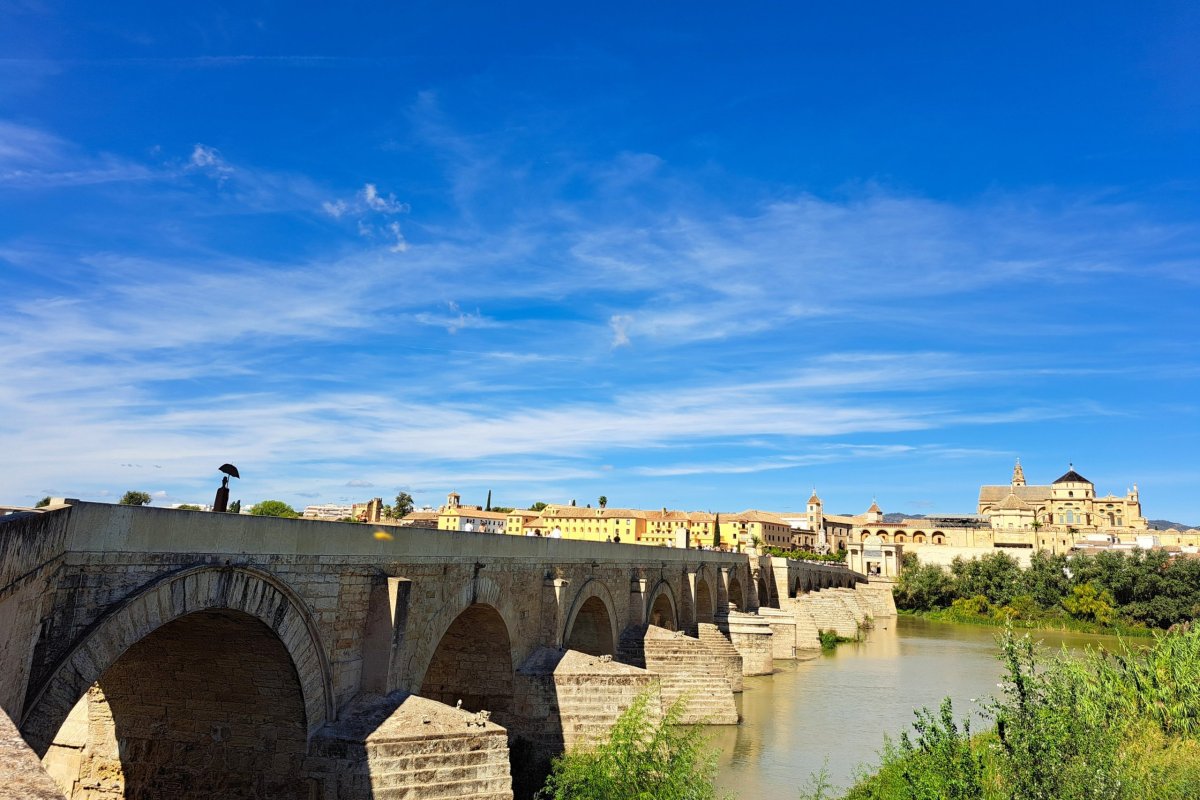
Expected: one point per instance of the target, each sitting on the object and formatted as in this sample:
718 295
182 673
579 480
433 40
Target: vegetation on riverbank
1110 592
830 640
1113 726
644 757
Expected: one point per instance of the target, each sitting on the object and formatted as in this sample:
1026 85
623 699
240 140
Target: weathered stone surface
403 746
751 635
878 599
783 629
722 650
829 613
686 671
20 768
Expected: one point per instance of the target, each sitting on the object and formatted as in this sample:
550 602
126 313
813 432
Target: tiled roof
1030 494
1014 503
1071 476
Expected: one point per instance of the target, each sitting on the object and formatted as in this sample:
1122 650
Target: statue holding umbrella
221 503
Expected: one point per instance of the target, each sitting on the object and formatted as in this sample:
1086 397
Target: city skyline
698 260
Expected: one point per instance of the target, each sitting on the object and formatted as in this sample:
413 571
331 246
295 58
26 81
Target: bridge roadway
160 653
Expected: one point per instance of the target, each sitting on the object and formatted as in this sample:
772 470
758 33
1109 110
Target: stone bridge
160 653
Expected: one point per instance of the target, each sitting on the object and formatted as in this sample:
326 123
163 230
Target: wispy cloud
583 336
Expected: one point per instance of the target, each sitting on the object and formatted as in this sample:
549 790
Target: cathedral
1070 502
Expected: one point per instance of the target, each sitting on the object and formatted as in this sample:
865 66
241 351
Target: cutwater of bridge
162 653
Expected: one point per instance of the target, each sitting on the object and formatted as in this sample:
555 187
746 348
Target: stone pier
751 635
783 629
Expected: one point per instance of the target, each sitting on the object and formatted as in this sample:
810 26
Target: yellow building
456 517
591 524
748 526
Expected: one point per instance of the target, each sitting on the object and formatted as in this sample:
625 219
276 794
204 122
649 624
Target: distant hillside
1163 524
898 517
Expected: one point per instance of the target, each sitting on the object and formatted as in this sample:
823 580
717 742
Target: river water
835 709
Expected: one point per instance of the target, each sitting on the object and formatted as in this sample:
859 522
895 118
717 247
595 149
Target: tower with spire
816 518
1018 475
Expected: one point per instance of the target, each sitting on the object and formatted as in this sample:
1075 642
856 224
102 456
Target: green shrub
829 639
643 758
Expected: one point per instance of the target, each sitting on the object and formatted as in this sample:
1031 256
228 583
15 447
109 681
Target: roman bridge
153 652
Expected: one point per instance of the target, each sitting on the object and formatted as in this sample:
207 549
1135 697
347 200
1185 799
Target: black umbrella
229 469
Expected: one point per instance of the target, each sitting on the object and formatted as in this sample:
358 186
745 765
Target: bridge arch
764 590
591 625
206 682
661 608
705 599
253 592
481 591
473 662
736 597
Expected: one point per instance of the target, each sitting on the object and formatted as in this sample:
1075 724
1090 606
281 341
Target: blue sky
690 255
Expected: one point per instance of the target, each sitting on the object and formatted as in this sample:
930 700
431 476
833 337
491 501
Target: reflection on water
835 709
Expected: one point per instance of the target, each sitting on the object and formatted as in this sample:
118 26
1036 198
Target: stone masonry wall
206 706
32 546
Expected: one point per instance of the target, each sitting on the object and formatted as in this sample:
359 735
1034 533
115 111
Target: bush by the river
1138 589
1122 726
644 757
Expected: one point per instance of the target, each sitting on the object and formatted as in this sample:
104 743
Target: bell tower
1018 475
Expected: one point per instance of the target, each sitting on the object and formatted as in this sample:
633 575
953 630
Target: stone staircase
404 747
723 651
853 603
829 613
686 669
878 598
807 633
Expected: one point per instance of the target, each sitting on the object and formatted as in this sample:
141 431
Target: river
834 709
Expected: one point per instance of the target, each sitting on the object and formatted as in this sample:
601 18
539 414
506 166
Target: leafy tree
538 506
132 498
45 501
643 758
603 501
1088 601
996 576
1046 578
235 507
404 505
188 507
502 509
923 587
488 507
273 508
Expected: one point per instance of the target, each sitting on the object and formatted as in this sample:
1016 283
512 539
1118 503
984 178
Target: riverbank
834 710
1125 728
1049 625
